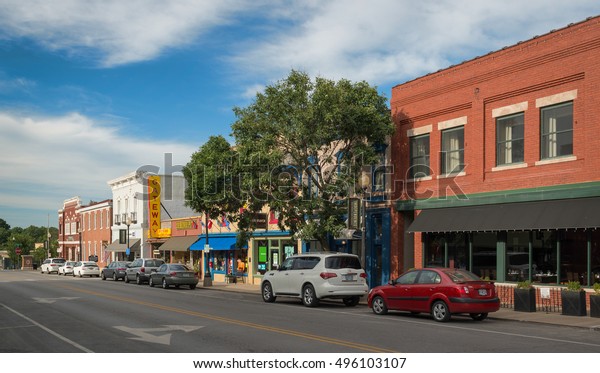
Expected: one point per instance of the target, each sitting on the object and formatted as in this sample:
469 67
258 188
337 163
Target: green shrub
597 288
574 286
524 284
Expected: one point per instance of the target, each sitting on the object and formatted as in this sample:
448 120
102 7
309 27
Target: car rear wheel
126 279
309 297
267 293
115 277
150 282
102 276
440 311
379 306
164 284
479 316
351 301
138 280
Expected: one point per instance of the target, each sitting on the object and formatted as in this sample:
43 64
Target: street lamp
128 220
207 281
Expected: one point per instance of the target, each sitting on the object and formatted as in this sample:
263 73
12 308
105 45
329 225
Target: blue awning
217 243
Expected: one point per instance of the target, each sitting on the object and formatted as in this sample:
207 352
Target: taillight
363 275
120 269
143 269
173 274
327 275
463 290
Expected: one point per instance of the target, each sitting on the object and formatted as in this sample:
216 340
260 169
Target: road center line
59 336
314 337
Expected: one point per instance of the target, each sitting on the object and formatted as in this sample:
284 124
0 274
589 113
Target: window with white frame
419 157
556 130
510 139
453 150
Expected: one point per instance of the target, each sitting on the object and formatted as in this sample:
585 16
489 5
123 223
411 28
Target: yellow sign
163 233
154 205
186 224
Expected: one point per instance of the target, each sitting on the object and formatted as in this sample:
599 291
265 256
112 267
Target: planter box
524 300
595 305
573 303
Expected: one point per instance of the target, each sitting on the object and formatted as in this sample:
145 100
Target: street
42 313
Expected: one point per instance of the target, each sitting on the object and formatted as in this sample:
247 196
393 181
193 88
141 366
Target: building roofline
504 49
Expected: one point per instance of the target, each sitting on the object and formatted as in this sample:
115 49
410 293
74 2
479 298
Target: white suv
52 264
313 277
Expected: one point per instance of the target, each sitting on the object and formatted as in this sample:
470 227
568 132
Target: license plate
482 292
187 275
349 277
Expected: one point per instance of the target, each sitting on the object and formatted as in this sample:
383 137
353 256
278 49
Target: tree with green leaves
301 148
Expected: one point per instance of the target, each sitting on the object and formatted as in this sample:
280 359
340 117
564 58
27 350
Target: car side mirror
391 282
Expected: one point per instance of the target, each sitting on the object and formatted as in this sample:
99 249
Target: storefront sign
260 221
353 213
163 233
154 205
185 225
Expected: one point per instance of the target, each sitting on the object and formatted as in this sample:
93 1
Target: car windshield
59 261
342 261
154 263
460 275
90 265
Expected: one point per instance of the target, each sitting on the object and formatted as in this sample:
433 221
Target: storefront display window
517 256
544 263
573 256
484 255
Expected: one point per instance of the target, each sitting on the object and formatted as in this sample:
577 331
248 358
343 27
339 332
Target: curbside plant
573 300
524 297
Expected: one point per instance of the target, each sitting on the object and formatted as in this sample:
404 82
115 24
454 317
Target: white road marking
143 334
61 337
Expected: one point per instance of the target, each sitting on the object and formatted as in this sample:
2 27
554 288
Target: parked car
66 269
52 264
173 274
312 277
115 270
139 270
438 291
86 268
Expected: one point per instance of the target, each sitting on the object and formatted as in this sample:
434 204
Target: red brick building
96 222
497 162
68 230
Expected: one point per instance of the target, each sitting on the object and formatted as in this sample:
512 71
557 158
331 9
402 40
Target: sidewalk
554 318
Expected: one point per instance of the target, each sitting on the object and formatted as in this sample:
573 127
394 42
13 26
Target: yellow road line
314 337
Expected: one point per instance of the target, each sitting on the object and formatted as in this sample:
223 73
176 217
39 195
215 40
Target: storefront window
544 257
458 250
484 255
219 261
434 250
595 265
573 256
517 256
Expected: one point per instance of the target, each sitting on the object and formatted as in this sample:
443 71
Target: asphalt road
42 313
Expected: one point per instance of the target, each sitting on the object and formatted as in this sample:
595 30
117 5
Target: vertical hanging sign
154 205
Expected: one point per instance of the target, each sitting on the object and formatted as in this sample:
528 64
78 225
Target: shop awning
557 214
178 243
121 247
217 243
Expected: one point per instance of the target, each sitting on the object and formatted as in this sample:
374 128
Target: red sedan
439 291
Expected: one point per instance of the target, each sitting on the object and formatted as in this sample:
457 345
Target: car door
425 287
281 277
400 293
133 268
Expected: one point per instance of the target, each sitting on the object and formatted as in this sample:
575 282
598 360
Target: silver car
141 268
173 274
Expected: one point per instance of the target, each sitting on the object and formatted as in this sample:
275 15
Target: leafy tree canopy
300 148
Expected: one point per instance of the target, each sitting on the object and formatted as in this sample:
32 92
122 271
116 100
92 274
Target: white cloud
45 160
118 32
390 41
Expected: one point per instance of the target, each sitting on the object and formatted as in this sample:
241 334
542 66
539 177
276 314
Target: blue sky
92 90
